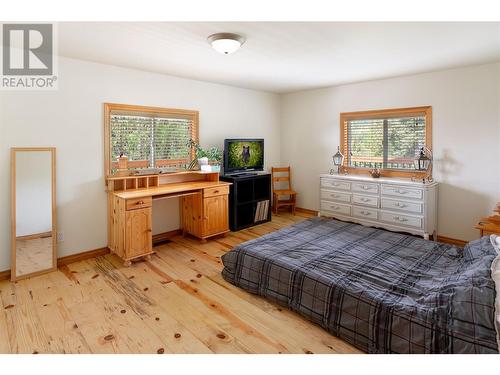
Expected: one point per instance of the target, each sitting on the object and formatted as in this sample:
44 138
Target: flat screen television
242 155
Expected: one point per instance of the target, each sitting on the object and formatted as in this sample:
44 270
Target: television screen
244 154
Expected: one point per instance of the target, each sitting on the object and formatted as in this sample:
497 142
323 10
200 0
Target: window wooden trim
384 113
179 113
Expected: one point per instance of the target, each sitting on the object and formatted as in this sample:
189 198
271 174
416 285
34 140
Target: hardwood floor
175 303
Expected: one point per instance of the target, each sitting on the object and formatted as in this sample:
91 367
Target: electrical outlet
60 237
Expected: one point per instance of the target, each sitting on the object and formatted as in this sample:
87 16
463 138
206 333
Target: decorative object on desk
375 172
208 160
202 161
122 165
123 161
338 161
423 163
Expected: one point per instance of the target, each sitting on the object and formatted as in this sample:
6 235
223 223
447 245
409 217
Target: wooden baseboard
451 241
34 236
166 235
73 258
82 256
5 275
306 211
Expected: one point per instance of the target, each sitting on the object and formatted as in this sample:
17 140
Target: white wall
466 136
71 119
33 192
304 134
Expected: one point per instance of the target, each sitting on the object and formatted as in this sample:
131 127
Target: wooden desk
203 207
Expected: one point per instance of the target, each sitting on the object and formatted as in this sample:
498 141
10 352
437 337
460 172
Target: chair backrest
281 175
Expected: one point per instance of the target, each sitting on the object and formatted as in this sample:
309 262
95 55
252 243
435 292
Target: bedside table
491 224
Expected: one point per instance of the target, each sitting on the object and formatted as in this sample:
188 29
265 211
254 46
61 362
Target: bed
381 291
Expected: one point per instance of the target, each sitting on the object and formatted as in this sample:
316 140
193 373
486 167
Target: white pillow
495 274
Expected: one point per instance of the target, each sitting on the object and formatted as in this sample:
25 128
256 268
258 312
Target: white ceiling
284 57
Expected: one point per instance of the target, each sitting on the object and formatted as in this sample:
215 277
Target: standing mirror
33 205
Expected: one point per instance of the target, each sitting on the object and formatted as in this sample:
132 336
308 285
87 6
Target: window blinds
153 140
388 143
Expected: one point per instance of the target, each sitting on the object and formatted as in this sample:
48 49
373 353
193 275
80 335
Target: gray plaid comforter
383 292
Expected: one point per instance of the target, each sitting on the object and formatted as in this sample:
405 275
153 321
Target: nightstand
491 224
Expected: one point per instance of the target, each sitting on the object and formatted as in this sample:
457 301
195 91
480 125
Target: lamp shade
422 162
338 158
226 43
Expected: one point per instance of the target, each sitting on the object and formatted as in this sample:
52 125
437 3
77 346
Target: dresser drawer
399 219
365 187
336 207
365 200
335 184
215 191
391 204
364 213
136 203
402 192
336 196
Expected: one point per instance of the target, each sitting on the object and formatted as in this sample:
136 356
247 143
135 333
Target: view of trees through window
152 139
387 143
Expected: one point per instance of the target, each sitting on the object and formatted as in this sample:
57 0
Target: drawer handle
334 195
366 213
399 191
335 207
402 205
335 184
364 187
365 199
216 191
139 203
403 219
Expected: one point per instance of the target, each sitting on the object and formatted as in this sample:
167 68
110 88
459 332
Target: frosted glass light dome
226 43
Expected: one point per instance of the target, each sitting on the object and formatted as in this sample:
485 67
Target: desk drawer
365 187
402 192
335 184
365 200
394 218
215 191
336 207
136 203
331 195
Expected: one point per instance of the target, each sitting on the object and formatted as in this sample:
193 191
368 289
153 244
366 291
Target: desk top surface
178 187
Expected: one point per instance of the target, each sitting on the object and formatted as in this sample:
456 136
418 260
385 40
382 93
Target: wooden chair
284 178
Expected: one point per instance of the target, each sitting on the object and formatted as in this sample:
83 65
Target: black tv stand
249 199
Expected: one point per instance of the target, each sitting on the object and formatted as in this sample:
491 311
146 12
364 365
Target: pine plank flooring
175 303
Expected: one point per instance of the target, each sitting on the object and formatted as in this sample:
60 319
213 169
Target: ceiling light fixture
226 43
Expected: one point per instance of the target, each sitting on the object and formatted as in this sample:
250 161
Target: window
385 139
150 137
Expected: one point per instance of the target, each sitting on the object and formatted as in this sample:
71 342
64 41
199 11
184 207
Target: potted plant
207 159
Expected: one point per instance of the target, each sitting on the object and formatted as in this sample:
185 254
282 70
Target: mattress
381 291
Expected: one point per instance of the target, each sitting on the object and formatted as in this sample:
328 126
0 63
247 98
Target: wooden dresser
203 208
393 203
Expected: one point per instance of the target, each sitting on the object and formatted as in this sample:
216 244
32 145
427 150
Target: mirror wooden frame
13 152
